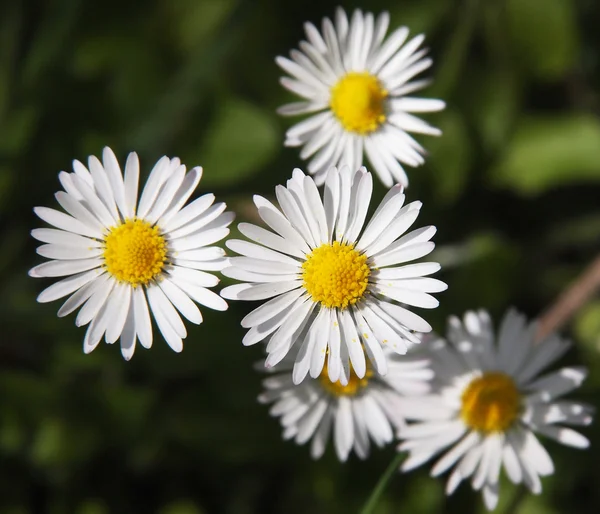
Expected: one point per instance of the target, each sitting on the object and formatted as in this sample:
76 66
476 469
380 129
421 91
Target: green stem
517 500
381 485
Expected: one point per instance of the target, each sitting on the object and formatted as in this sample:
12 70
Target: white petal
407 296
351 340
269 239
115 177
158 176
408 271
90 211
452 456
202 254
62 238
334 361
95 302
67 286
63 268
143 325
267 267
293 213
102 186
189 213
165 327
193 277
201 221
260 291
408 104
359 207
166 194
117 308
52 251
128 336
132 177
395 40
276 221
270 308
321 327
290 329
188 186
403 254
343 432
199 239
566 436
258 252
202 295
302 364
79 297
65 222
167 319
380 221
181 301
405 317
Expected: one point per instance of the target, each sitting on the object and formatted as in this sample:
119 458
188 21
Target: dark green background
513 187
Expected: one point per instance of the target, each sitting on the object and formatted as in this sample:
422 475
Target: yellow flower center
355 384
135 252
336 275
358 101
490 403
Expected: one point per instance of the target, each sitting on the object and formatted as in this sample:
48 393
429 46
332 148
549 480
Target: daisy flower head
330 281
354 83
124 258
365 409
489 401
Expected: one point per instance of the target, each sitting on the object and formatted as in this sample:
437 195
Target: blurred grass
512 187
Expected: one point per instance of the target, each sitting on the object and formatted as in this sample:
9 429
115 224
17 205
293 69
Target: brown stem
570 300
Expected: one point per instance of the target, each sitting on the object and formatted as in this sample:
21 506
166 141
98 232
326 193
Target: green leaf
49 443
419 15
449 156
544 35
492 100
546 152
194 22
241 140
587 325
18 128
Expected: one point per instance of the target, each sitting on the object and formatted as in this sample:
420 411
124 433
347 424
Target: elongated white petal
67 286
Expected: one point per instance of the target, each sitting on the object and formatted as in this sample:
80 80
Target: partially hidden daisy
354 83
333 283
125 258
488 401
364 409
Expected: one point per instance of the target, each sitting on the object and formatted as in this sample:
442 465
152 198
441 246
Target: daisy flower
124 259
489 401
364 409
331 282
353 82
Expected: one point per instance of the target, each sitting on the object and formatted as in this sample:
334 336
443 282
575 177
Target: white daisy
121 256
356 81
332 282
366 408
487 403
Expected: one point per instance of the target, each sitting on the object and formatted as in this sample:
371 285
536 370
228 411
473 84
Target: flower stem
381 484
570 300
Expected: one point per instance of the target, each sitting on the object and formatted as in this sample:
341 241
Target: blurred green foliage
512 187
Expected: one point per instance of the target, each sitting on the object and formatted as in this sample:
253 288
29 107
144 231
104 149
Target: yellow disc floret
490 403
358 102
336 275
135 252
355 384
